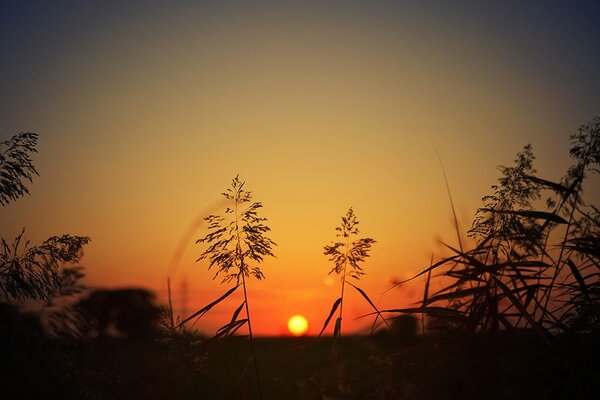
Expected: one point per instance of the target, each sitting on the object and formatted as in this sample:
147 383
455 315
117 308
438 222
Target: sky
147 111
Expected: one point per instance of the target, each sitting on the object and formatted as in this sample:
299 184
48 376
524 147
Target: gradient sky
145 112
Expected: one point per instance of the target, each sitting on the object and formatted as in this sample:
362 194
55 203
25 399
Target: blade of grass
336 304
537 327
552 185
172 320
363 294
454 295
578 277
431 268
451 202
230 327
435 311
425 296
548 216
207 308
338 327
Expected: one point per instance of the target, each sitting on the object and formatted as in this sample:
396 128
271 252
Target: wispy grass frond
347 256
237 243
529 268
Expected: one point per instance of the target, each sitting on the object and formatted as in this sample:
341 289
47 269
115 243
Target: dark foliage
530 268
16 166
37 272
128 313
37 348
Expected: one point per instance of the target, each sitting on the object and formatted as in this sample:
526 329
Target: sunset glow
147 110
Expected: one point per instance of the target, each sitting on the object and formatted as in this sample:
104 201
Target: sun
297 325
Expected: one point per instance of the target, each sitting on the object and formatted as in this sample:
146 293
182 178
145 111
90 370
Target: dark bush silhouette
530 268
33 272
36 348
130 313
34 362
404 326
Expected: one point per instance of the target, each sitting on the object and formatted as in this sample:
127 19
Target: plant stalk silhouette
33 272
347 256
236 239
529 268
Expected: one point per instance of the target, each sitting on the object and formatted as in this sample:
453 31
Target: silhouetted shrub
130 313
404 326
36 349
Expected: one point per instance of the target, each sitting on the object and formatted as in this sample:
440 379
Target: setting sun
297 325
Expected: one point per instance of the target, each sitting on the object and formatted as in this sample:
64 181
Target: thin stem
243 273
485 260
544 253
425 296
343 284
560 255
460 246
251 339
172 320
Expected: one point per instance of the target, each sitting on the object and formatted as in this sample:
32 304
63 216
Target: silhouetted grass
347 257
529 268
518 304
237 243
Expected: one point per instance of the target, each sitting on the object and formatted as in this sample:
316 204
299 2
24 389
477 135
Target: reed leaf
335 306
547 336
552 217
208 307
338 327
578 277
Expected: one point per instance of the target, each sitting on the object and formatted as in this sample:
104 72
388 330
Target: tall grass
236 245
42 272
529 267
347 255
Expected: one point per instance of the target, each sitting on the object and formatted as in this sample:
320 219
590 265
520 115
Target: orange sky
146 114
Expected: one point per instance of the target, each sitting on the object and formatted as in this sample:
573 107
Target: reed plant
347 255
40 272
529 267
38 349
236 244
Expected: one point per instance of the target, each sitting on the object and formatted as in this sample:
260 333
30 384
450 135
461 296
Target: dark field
505 365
